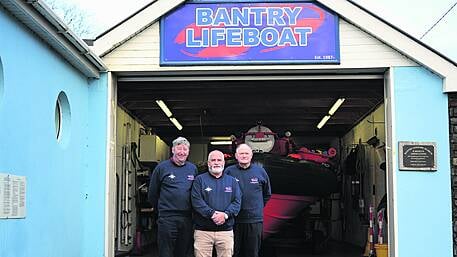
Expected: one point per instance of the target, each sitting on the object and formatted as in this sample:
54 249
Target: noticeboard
12 196
417 156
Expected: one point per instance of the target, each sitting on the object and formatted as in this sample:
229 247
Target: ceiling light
164 108
176 123
323 121
221 142
224 138
336 105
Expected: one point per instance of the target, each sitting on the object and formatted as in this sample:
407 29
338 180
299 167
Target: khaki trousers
205 240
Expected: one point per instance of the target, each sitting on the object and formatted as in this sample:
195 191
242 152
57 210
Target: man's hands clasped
218 218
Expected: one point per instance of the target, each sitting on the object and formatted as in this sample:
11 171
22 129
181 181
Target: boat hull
281 209
289 176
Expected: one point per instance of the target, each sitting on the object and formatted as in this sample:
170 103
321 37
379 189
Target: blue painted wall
65 182
423 199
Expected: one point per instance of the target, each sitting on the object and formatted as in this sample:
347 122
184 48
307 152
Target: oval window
62 118
1 80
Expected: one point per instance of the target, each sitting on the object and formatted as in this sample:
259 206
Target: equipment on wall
126 208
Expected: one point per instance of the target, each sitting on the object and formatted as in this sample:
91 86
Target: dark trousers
174 236
248 238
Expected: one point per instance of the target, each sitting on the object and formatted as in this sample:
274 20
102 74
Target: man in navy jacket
169 194
256 189
216 200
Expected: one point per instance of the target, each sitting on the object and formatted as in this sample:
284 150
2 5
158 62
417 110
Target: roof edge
133 25
404 32
124 20
357 15
397 39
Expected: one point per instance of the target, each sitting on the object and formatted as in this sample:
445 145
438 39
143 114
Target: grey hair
181 141
215 151
243 144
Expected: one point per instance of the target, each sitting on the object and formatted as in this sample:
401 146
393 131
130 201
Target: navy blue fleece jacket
255 186
169 188
210 194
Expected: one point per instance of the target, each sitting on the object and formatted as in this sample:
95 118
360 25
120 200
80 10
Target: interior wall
127 132
198 153
150 148
372 125
127 129
354 215
153 149
162 150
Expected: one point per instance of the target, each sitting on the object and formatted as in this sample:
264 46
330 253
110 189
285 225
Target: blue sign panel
249 33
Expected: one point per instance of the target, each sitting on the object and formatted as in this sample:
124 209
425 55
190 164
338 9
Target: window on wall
58 118
62 118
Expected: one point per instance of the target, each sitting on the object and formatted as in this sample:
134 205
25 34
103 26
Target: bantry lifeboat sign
249 33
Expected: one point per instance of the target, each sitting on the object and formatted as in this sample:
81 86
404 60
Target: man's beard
217 170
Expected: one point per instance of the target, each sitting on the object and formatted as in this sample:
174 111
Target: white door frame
110 172
110 190
391 163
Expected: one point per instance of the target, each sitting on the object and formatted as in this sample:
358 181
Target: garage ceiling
208 107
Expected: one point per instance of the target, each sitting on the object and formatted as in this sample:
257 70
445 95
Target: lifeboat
298 177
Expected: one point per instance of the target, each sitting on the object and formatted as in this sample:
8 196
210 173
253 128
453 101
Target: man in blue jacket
216 200
169 194
256 190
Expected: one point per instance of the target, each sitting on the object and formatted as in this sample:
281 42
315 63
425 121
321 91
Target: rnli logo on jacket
254 181
190 177
228 189
208 189
171 176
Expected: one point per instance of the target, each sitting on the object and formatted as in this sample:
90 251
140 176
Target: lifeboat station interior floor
333 249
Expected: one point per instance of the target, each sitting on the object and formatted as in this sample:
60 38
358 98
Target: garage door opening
350 145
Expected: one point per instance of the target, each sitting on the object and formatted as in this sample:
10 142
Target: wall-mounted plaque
12 196
419 156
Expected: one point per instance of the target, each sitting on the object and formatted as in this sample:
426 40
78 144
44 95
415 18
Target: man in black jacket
216 200
169 194
255 187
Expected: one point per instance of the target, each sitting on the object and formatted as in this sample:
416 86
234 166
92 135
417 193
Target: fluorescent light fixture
176 123
323 121
336 105
221 142
223 138
164 108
